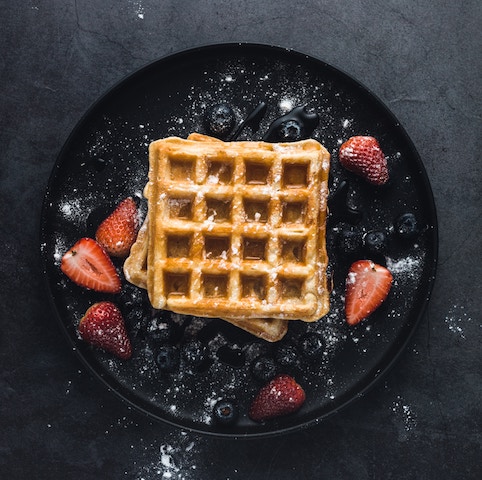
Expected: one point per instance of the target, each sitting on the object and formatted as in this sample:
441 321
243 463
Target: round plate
105 160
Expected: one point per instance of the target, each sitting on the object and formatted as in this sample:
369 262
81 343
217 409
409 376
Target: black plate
105 160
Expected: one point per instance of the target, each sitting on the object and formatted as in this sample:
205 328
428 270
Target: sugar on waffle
235 230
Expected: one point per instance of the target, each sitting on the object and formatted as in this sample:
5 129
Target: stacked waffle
235 230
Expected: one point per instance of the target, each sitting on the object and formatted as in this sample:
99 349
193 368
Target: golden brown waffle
135 269
239 229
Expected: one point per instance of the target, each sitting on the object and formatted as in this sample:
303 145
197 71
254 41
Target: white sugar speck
456 318
404 412
173 460
286 104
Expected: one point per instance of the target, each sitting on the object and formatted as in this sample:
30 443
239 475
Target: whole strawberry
280 396
363 156
118 232
103 326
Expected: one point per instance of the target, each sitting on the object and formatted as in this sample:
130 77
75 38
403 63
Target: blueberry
287 355
137 321
167 358
263 369
349 240
312 345
406 226
194 353
290 131
162 333
225 412
219 120
376 242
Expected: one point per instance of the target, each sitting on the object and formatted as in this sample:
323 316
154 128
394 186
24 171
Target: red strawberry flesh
118 232
281 396
367 287
88 265
363 156
103 326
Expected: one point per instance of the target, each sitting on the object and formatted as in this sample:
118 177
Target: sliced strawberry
103 326
88 265
363 156
367 286
118 231
280 396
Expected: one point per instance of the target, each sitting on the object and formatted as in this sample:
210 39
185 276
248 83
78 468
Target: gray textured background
423 421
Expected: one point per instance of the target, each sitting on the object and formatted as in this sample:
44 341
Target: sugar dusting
174 459
138 9
405 417
456 320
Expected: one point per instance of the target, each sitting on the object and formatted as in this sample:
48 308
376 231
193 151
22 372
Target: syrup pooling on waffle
237 229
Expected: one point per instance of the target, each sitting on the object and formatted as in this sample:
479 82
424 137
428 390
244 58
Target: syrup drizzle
253 120
298 124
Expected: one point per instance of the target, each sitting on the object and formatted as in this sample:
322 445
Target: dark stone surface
423 420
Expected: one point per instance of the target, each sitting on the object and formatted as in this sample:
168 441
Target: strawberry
367 286
281 396
118 231
88 265
363 156
103 326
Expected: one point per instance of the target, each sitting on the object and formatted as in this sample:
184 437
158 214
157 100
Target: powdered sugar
405 417
457 319
174 459
407 269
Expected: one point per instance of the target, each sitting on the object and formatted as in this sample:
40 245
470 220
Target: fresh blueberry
167 358
225 412
312 345
290 131
406 226
161 333
376 242
194 353
287 355
220 120
263 368
349 240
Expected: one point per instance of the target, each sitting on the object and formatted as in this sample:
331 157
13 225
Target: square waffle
135 269
236 230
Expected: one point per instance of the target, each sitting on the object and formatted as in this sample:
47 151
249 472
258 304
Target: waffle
239 231
135 269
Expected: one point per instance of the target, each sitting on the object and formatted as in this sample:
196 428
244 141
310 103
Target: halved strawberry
280 396
103 326
88 265
367 286
363 156
118 231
